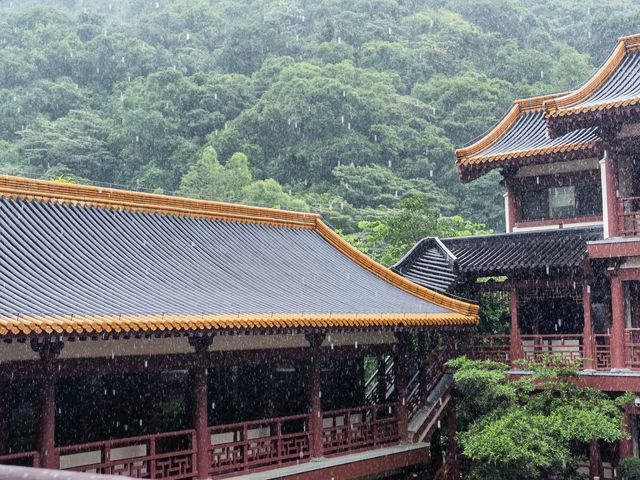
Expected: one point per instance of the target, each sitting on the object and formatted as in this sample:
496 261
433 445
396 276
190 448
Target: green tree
524 428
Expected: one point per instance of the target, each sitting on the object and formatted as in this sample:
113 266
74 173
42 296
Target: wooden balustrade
359 428
568 347
22 459
258 444
629 216
163 455
632 348
491 347
602 351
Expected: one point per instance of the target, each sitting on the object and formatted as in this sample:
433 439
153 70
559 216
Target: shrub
630 468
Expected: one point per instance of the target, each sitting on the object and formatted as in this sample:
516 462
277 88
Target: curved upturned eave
478 159
576 103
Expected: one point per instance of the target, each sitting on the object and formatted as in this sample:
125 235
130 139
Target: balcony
569 347
629 216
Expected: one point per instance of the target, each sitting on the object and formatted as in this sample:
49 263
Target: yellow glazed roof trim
562 106
519 106
91 196
132 324
481 159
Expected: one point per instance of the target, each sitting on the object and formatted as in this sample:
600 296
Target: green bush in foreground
630 469
523 428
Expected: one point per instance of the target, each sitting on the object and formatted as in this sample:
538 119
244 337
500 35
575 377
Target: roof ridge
625 45
111 198
539 233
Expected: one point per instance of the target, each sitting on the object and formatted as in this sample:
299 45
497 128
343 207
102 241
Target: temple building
161 337
568 267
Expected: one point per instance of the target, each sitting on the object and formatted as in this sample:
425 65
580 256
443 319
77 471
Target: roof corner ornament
201 343
48 348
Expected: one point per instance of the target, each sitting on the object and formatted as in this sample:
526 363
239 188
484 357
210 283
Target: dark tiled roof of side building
430 265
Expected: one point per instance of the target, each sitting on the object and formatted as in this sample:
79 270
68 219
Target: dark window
588 200
567 201
533 204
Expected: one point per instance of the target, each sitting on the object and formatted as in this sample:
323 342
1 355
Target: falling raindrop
348 125
157 4
188 36
342 119
541 74
430 173
137 138
339 39
389 163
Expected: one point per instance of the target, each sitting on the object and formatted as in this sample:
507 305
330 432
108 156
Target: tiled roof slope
615 87
521 138
505 254
81 260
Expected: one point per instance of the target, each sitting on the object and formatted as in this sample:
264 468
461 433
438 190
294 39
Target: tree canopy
530 427
346 107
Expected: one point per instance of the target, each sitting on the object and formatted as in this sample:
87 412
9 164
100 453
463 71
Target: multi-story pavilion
569 264
163 337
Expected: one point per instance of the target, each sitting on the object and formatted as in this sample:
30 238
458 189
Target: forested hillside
345 107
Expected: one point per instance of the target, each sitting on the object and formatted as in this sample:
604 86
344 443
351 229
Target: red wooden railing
568 347
22 459
632 347
629 216
258 444
490 347
602 351
359 428
423 381
163 455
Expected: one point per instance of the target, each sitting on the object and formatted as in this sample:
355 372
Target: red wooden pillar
610 191
515 342
618 353
199 409
46 427
596 468
401 379
200 420
315 396
587 331
511 208
625 447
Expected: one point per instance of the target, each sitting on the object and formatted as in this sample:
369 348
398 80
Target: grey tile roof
530 132
72 259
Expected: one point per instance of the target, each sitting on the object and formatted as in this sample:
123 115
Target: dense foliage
344 107
630 468
530 427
